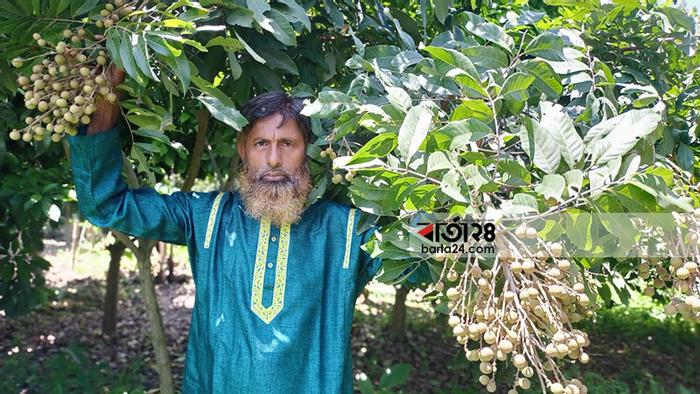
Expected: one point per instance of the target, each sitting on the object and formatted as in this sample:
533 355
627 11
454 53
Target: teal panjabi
273 305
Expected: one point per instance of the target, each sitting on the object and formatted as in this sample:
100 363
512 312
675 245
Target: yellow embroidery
348 237
212 219
269 313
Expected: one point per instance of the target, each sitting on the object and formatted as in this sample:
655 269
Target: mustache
259 176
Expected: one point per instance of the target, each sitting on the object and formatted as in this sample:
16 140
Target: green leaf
547 46
235 66
515 87
478 178
454 58
578 228
259 7
685 157
57 7
568 66
182 71
406 59
525 18
561 127
520 204
473 88
224 113
147 147
277 59
161 46
546 80
486 57
442 8
476 109
240 16
178 23
665 197
113 44
154 134
552 186
394 375
462 132
574 181
379 146
86 6
229 43
399 98
438 161
414 129
137 154
616 136
297 13
539 145
486 30
450 185
679 17
281 28
127 59
250 50
195 44
513 173
141 57
326 104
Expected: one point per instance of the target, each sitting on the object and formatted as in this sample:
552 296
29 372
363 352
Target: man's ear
240 147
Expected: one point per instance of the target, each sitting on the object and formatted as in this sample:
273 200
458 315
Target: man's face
271 151
275 180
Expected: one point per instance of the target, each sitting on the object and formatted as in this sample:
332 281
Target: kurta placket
273 305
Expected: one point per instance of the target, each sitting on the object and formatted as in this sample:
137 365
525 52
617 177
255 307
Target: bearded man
276 279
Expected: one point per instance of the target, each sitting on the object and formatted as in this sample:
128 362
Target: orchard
570 127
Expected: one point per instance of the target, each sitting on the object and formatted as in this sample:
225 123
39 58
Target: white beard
282 202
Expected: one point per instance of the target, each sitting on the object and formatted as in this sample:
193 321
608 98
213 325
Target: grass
67 371
634 349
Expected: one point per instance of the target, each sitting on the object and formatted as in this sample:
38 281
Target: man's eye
287 143
259 143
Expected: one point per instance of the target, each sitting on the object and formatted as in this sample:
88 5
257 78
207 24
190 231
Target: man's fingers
115 75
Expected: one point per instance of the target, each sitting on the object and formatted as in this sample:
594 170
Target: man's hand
107 114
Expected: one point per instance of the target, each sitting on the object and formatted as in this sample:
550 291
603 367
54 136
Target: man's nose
273 158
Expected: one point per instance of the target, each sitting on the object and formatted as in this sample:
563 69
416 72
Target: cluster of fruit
67 78
520 309
112 12
680 272
337 178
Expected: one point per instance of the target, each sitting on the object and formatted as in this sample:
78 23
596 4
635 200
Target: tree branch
196 161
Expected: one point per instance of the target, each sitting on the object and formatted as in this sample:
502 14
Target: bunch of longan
520 310
63 86
680 273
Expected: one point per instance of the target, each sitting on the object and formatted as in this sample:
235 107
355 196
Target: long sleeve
369 266
106 200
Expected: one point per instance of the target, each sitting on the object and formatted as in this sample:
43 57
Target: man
276 281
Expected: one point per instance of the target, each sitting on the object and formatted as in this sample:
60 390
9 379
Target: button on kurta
273 238
269 265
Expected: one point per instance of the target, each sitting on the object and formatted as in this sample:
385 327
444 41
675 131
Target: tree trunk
109 319
157 331
398 314
74 239
171 265
199 145
160 277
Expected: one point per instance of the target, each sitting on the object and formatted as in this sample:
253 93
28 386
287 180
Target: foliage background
440 123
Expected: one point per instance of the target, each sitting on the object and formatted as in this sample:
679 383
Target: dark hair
276 102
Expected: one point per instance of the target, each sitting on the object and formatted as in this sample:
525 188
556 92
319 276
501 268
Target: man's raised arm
103 196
